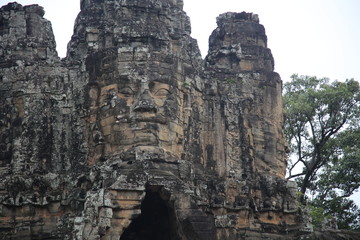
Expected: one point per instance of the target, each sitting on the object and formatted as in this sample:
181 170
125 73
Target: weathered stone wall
243 139
133 135
250 90
40 138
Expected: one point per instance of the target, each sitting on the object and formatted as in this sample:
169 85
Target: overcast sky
309 37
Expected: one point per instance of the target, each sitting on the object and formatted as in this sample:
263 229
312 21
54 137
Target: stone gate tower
133 135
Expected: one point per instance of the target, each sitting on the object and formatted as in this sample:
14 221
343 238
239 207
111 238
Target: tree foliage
322 127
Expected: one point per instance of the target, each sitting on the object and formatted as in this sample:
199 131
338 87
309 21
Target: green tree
322 127
339 179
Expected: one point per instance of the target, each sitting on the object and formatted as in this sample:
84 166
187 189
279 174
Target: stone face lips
133 135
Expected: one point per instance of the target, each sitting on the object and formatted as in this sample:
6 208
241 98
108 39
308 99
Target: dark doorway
156 222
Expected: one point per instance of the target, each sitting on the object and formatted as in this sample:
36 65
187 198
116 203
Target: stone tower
133 135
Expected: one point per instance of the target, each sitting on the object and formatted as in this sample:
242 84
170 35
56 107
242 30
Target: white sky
309 37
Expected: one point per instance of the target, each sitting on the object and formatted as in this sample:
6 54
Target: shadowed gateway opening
156 222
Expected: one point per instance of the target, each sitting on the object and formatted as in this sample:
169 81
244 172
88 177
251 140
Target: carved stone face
137 105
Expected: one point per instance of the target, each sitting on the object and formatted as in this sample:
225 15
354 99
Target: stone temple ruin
134 136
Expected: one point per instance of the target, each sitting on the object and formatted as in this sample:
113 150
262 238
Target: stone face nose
145 103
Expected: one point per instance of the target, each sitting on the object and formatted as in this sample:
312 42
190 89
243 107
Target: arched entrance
156 222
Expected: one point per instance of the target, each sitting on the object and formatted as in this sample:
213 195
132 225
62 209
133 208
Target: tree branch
296 175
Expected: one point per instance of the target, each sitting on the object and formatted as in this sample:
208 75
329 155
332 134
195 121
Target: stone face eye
126 92
162 92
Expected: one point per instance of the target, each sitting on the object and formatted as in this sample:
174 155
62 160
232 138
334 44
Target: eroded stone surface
134 120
